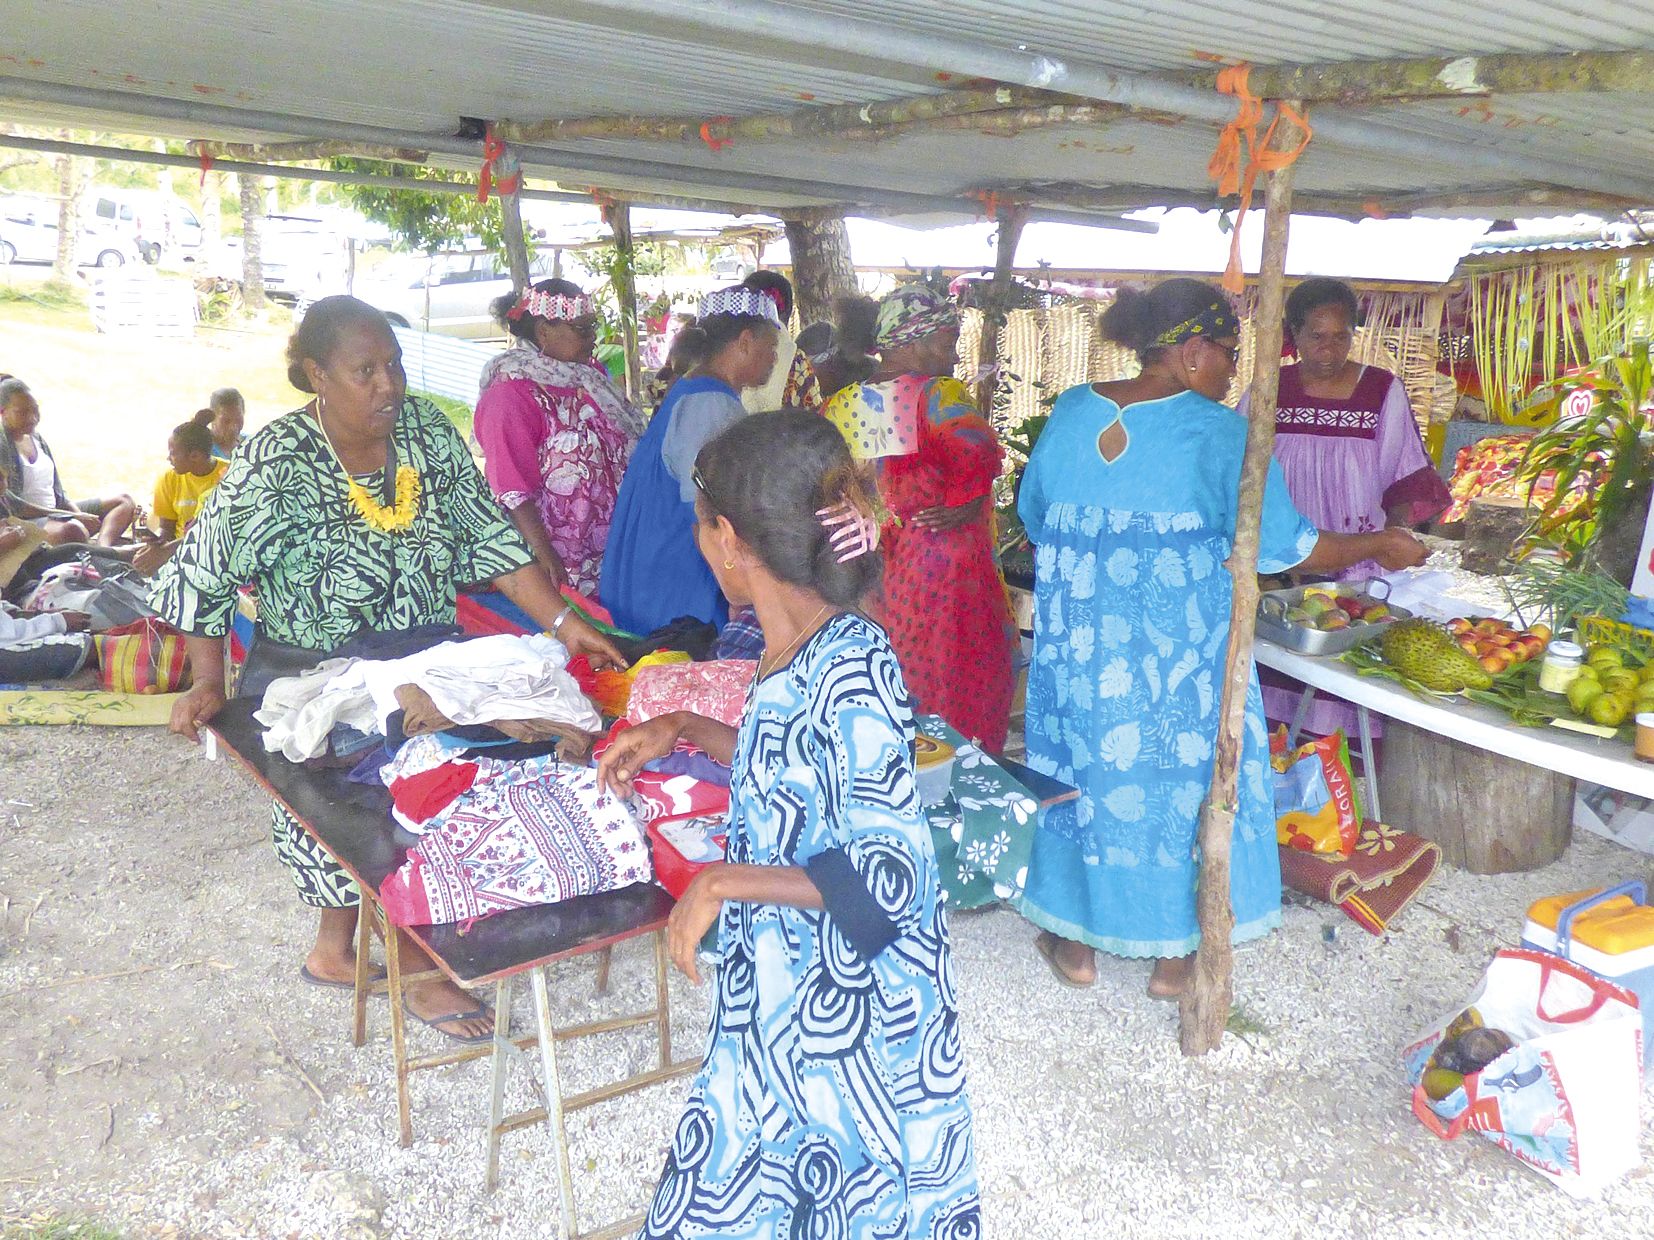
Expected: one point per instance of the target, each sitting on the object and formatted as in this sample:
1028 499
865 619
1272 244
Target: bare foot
437 1002
326 966
1171 977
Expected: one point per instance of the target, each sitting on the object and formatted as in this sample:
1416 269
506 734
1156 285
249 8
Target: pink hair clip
851 532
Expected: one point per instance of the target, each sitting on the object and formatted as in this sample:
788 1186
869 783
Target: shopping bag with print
146 656
1545 1060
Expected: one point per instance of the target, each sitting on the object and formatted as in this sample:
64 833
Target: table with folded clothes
453 783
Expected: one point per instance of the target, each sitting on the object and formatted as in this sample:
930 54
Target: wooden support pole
509 172
822 270
1206 1003
296 152
618 215
1357 82
1011 220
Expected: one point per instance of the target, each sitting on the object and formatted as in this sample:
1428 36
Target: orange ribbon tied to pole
712 140
206 165
1225 166
496 158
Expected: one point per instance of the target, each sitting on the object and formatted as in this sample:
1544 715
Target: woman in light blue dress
831 1104
1130 499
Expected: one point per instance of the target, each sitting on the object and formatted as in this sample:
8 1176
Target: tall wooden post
822 270
618 215
511 221
1011 220
252 240
1205 1005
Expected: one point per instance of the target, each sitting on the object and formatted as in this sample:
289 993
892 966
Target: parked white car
446 293
28 234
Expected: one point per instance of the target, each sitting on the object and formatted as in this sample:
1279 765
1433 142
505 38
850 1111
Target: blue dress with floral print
1130 628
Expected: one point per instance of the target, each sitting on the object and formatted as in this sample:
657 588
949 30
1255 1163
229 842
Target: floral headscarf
911 313
1212 322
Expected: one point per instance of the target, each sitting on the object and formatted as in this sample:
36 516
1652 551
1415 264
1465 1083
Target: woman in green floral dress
307 518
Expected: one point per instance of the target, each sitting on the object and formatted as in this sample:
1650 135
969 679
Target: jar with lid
1560 669
1645 738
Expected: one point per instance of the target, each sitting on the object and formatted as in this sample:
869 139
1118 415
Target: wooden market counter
1496 796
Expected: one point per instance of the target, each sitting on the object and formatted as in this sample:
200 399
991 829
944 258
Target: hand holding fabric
633 747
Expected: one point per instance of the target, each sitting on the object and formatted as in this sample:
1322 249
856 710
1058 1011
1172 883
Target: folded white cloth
480 681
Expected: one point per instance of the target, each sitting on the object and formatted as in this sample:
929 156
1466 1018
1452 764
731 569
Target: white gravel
162 1102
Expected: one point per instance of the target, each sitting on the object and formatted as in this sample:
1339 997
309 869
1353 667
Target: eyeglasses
1233 351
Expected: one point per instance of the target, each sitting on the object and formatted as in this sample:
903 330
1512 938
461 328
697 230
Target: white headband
743 301
560 306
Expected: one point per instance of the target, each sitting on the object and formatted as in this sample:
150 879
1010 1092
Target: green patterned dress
281 522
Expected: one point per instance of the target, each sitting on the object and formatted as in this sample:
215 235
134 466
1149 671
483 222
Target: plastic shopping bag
1564 1097
1316 808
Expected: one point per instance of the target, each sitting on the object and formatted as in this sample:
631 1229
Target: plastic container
1561 666
934 759
1609 932
1645 738
683 847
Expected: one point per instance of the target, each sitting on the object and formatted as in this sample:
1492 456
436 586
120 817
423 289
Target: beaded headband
559 306
747 302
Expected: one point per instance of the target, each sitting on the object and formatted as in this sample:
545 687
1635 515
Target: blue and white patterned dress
1131 624
831 1104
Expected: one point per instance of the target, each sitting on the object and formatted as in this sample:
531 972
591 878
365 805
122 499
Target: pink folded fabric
716 690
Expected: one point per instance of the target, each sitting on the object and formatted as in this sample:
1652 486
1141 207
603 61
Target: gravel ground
171 1098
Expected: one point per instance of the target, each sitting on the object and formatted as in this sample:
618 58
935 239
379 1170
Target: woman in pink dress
555 431
1349 448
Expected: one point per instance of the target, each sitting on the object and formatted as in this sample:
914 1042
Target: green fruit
1591 674
1610 709
1439 1083
1427 653
1605 659
1646 675
1581 693
1619 680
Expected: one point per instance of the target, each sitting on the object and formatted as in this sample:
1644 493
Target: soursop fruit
1427 653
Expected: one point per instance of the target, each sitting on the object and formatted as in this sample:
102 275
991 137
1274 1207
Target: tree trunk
212 212
619 218
822 269
252 241
70 183
1206 1004
1011 220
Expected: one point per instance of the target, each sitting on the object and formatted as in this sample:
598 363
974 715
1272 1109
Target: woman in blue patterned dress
1130 498
831 1103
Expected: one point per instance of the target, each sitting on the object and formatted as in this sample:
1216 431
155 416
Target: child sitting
181 491
224 416
36 648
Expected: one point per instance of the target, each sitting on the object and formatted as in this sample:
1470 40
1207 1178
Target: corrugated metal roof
420 65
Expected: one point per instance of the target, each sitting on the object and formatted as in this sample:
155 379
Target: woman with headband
556 433
938 458
832 1097
1130 500
651 573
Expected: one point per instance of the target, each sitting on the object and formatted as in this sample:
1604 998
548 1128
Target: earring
1195 367
729 564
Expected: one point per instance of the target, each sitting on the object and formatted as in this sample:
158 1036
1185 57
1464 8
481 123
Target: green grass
53 303
459 413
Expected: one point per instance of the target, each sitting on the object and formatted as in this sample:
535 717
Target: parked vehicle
156 223
301 257
28 234
446 293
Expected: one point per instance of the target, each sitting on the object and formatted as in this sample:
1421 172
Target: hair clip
851 532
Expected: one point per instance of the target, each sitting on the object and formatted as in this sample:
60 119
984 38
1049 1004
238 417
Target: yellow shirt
178 496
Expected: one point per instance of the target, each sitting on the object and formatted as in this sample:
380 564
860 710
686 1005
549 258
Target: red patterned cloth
715 690
944 601
508 846
658 795
424 795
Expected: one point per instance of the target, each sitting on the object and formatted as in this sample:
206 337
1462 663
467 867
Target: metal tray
1273 625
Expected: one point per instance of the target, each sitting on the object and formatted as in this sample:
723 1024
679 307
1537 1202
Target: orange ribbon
206 165
715 143
494 152
1225 164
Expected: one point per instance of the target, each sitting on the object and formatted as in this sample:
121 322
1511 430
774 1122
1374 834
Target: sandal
310 979
449 1018
1046 943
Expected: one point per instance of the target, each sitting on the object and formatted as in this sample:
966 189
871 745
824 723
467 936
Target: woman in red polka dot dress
944 599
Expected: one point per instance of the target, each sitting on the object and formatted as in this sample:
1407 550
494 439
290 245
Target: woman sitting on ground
651 574
225 416
361 511
555 431
1130 498
180 491
833 1088
30 477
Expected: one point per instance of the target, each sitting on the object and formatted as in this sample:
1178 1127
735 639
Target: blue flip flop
310 979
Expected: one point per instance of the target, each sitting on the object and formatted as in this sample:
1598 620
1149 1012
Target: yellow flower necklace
378 516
